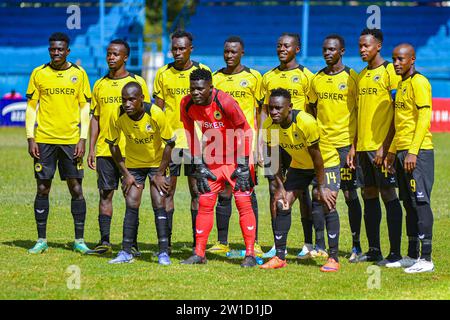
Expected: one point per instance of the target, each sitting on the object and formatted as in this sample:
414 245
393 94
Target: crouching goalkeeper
223 157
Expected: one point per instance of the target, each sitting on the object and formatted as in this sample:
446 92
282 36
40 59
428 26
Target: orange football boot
274 263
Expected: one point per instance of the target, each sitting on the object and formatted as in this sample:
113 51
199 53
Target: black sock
194 218
412 230
162 229
425 227
129 228
333 230
282 226
135 243
41 208
255 211
355 217
318 215
372 220
223 214
413 247
78 209
307 225
394 218
104 223
169 223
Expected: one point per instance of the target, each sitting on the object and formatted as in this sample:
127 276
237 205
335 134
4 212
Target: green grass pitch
49 276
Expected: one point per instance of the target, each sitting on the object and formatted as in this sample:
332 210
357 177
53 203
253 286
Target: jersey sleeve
352 88
257 93
158 91
310 130
189 127
95 107
422 96
166 132
265 89
234 112
312 96
394 79
84 94
267 136
33 89
113 135
352 102
306 82
422 92
143 84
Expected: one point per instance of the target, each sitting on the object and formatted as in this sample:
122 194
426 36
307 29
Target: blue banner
12 112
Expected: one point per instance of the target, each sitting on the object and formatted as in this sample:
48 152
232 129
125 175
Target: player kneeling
145 129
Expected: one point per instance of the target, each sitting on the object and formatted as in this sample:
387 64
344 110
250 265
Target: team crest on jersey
74 79
244 83
217 115
148 127
342 86
295 79
377 78
296 136
38 167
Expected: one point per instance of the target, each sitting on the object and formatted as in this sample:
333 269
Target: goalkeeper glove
244 181
202 174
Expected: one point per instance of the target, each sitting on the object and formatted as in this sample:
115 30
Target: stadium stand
260 23
26 25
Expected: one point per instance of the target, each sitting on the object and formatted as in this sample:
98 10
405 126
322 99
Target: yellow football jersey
171 85
244 87
296 81
375 105
413 104
335 98
144 138
106 100
59 93
301 134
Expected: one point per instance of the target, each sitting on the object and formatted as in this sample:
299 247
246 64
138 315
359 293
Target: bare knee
369 192
388 194
75 188
43 188
350 195
105 203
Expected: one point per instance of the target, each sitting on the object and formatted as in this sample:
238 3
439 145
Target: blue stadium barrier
425 27
26 25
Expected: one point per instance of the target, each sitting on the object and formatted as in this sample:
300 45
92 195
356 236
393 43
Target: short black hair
337 37
182 34
235 39
280 92
59 36
200 74
132 84
376 33
296 36
122 42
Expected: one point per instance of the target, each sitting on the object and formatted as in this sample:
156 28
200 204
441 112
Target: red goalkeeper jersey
226 132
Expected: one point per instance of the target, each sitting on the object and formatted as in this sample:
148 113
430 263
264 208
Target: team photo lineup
309 134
